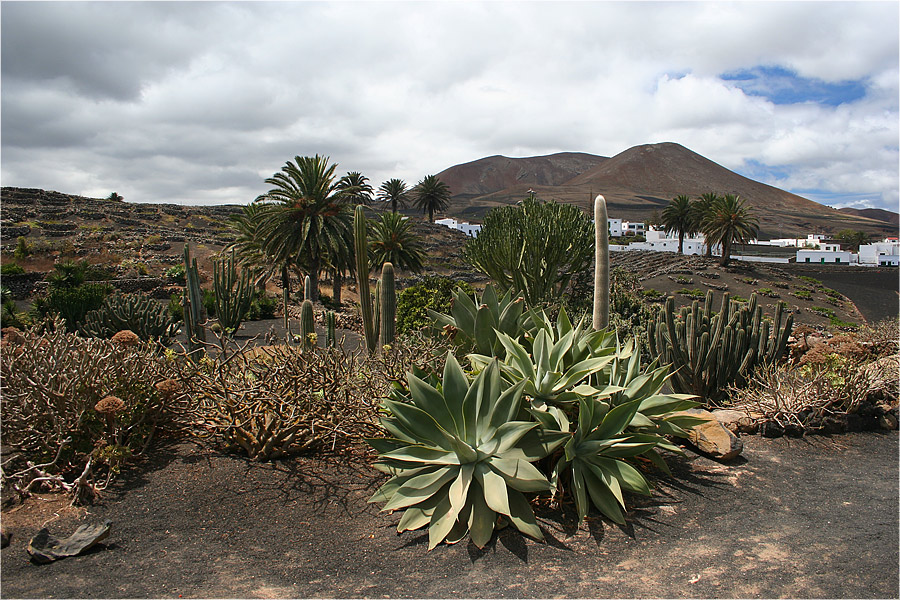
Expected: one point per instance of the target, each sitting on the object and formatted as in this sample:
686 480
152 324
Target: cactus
233 295
601 264
148 319
307 288
388 305
307 323
192 301
330 337
376 311
361 246
710 352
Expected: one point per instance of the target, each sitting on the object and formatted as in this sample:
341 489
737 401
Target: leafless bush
50 383
274 400
803 396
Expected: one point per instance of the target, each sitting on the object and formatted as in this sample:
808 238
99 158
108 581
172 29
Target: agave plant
473 323
458 458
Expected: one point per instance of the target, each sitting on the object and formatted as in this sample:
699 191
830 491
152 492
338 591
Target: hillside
874 213
639 182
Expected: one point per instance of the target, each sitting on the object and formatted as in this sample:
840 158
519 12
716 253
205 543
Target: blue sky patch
784 86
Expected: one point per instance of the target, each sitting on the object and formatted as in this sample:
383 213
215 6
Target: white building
881 254
629 228
657 241
615 227
830 254
467 228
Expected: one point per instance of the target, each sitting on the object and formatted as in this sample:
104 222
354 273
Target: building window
837 260
807 259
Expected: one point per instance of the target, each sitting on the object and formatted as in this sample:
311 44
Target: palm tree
727 222
355 188
678 217
393 191
431 194
701 208
312 217
852 238
250 248
393 241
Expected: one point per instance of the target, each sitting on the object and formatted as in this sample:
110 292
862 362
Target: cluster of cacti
233 294
710 352
601 264
146 318
192 302
379 317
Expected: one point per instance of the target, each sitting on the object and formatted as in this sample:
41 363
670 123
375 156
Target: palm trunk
726 252
286 292
336 282
680 242
314 278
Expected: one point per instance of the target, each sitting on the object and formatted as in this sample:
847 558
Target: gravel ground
801 518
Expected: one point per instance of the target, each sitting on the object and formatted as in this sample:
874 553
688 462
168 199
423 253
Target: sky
198 103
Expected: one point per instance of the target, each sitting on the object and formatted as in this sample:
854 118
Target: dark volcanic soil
811 517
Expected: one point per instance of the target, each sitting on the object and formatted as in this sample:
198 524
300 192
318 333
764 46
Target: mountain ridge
638 183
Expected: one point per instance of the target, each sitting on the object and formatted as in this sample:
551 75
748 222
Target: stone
736 421
712 438
45 548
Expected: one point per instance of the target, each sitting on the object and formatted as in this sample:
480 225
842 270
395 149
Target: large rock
712 438
45 548
736 421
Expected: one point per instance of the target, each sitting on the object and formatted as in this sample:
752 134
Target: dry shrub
803 397
50 385
276 400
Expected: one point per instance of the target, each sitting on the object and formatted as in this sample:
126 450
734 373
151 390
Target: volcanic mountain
638 183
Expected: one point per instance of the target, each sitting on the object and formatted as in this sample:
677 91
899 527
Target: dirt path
812 517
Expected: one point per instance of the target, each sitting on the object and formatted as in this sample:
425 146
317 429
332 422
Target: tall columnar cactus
307 323
376 310
307 288
192 302
361 247
601 264
710 352
234 293
330 335
388 304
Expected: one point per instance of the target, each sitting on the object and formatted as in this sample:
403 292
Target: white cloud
199 102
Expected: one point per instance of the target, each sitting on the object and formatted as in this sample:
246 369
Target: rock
736 421
712 438
45 548
888 421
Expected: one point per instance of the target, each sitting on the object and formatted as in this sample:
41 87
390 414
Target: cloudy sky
197 103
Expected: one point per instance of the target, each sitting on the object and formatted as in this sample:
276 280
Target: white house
885 253
657 241
615 227
831 254
629 228
467 228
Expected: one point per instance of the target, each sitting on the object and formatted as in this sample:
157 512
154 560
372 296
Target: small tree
729 221
393 191
431 194
852 238
393 241
678 217
534 249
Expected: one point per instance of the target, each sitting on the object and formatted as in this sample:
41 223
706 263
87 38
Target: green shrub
822 310
11 268
811 280
434 293
176 273
23 248
209 302
768 292
71 303
803 294
652 294
263 306
691 292
176 310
